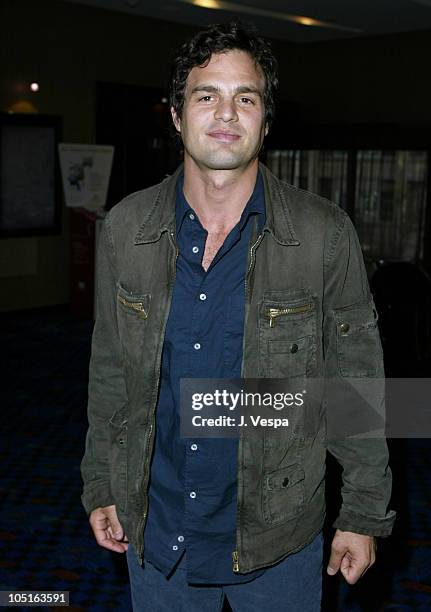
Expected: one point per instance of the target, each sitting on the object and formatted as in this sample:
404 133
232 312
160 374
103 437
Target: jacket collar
161 216
278 216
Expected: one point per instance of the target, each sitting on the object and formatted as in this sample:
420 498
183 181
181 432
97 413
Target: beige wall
67 48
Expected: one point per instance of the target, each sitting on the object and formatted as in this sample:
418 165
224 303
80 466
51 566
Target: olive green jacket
307 266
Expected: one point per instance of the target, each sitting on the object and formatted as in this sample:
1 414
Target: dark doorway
136 120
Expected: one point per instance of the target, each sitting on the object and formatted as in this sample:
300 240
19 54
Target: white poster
85 170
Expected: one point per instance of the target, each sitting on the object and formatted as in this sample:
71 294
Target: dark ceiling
289 20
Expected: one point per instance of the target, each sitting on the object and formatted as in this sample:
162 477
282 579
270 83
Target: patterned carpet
45 540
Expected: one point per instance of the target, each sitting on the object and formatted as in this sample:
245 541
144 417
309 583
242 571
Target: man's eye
206 98
245 100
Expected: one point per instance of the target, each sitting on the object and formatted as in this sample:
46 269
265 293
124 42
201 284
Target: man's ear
176 120
266 129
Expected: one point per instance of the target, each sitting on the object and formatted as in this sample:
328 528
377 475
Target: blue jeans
292 585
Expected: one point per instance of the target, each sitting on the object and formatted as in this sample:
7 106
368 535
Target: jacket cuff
98 496
348 521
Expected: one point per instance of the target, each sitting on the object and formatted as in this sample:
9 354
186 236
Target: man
223 271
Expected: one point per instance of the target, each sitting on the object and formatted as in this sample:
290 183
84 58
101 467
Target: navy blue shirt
193 483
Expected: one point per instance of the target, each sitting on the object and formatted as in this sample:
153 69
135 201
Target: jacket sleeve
106 389
353 351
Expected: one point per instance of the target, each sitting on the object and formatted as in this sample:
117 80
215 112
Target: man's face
222 125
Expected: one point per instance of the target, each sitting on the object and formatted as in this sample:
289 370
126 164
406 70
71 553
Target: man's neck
218 196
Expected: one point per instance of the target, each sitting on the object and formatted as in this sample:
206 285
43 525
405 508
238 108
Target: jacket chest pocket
287 335
132 314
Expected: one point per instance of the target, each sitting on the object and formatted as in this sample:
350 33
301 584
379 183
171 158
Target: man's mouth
224 136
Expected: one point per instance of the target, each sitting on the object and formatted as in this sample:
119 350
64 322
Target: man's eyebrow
210 88
248 89
215 89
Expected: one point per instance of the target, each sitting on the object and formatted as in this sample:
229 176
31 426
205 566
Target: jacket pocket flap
356 318
288 346
284 478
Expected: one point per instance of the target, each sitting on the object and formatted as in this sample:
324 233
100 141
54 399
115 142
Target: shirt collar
255 205
157 209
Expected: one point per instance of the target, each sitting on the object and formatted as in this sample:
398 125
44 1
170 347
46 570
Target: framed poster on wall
30 196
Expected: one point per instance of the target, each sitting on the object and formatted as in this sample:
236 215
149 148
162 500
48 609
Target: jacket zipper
141 523
235 562
138 306
253 246
273 313
235 557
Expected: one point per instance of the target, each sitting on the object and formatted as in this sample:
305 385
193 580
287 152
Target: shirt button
192 494
174 547
195 249
191 216
180 538
202 297
194 447
197 346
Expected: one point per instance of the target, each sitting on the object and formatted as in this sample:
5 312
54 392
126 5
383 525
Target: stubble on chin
225 162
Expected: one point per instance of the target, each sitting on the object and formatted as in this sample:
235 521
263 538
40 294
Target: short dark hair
221 38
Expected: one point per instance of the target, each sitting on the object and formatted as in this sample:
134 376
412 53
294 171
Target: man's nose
226 110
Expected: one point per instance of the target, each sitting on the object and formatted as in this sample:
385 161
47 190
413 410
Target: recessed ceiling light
225 5
209 4
307 21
